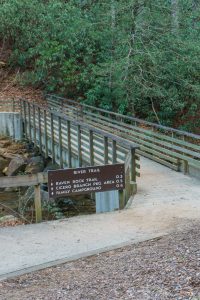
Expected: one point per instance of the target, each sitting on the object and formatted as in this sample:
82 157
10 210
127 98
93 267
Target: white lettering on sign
94 170
86 180
91 179
76 172
109 182
78 181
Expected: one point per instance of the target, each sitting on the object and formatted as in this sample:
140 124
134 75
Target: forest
135 57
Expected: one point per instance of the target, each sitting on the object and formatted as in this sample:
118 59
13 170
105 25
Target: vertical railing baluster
114 152
133 165
69 159
21 118
79 145
34 127
39 130
91 147
105 150
45 133
60 141
29 121
25 122
52 139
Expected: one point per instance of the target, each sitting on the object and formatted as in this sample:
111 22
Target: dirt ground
10 88
162 268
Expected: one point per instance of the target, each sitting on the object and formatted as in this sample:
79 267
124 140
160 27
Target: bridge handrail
166 128
179 150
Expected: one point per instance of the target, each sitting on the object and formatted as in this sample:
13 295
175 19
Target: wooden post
105 150
122 199
39 130
45 134
29 121
52 140
79 145
133 165
114 152
91 145
25 123
60 141
186 167
21 118
34 127
38 206
69 159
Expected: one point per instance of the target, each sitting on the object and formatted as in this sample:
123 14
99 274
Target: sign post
86 180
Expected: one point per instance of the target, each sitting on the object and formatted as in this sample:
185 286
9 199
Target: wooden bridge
73 143
75 135
176 149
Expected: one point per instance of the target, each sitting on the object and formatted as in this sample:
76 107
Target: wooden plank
39 130
45 133
34 126
60 142
25 119
91 147
161 149
133 165
29 121
79 145
23 180
159 160
105 150
52 138
38 206
69 144
114 152
128 128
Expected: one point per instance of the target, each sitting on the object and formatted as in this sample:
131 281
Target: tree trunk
175 16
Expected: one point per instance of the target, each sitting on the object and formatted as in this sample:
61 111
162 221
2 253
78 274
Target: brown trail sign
86 180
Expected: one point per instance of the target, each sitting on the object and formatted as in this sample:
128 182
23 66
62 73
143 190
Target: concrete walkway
165 201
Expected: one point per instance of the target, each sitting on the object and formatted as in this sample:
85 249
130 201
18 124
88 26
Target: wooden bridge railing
72 143
9 105
174 148
27 180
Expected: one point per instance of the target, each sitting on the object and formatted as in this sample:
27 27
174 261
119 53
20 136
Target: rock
3 164
11 189
51 166
16 165
5 143
44 196
35 165
5 170
8 218
8 154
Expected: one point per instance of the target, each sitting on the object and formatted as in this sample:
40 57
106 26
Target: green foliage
136 57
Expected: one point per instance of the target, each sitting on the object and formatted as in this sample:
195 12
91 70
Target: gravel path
163 268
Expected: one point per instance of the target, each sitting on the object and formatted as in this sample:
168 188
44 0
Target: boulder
8 218
16 165
35 165
51 166
5 143
3 164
